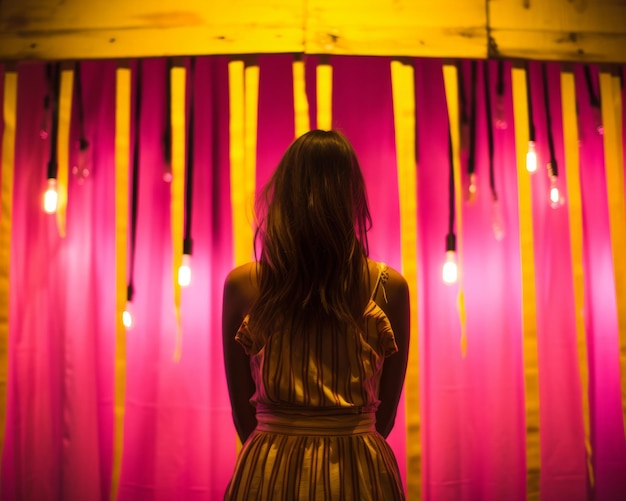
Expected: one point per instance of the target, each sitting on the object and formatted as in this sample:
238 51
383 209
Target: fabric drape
178 438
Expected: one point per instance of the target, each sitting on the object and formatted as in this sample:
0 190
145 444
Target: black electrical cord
462 93
135 181
490 141
188 242
450 237
167 133
594 100
546 101
471 159
54 85
83 144
529 94
500 81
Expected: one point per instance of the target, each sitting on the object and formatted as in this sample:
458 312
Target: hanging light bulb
501 123
81 169
450 269
127 315
51 197
184 272
471 188
597 119
531 157
556 195
497 221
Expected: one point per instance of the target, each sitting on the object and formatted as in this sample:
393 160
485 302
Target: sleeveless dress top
316 398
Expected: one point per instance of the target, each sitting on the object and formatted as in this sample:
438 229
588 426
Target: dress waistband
303 423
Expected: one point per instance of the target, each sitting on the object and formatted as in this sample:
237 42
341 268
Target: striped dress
316 399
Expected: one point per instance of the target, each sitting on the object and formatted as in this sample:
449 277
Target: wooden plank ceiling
566 30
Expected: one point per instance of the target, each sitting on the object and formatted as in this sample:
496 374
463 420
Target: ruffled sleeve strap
386 339
244 336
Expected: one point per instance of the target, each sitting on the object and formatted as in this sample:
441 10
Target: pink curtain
179 440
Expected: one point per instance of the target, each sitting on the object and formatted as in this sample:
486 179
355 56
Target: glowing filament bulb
471 189
127 315
51 197
497 220
531 157
450 271
556 197
184 272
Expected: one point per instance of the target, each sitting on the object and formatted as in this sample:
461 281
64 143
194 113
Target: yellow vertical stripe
177 187
611 99
251 99
403 87
63 147
452 98
572 165
324 92
243 95
529 296
6 208
122 157
300 102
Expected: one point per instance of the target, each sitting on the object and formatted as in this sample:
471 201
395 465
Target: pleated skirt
309 457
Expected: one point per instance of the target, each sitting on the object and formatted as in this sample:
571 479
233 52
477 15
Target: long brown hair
313 219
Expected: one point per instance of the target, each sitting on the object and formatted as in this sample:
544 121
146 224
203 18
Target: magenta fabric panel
562 453
276 129
179 438
90 295
363 111
472 407
58 415
491 424
609 453
32 449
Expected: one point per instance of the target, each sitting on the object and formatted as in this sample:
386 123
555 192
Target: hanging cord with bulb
471 159
464 119
450 237
501 122
492 179
54 85
135 181
44 131
167 133
83 144
552 166
187 241
500 81
594 101
529 93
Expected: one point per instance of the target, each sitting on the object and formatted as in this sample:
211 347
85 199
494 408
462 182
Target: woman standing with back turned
306 330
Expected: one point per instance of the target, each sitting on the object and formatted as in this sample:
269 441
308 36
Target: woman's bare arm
239 293
397 308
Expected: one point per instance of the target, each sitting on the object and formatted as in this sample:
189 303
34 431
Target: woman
306 330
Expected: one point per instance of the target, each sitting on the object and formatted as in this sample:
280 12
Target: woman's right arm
239 293
397 309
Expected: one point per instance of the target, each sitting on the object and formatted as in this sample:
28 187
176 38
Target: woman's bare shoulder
241 286
395 283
